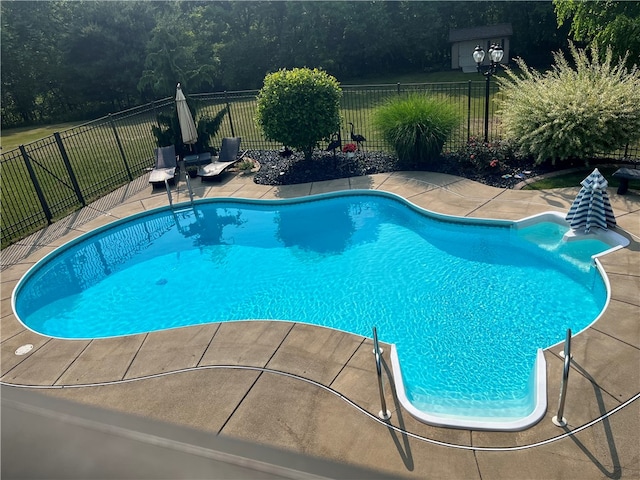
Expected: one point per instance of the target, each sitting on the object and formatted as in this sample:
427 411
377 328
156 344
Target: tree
107 42
172 54
31 64
609 23
64 60
299 108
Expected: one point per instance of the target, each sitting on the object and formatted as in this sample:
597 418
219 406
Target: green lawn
93 155
14 137
573 179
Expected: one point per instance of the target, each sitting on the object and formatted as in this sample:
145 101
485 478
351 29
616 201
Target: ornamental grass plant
416 127
572 111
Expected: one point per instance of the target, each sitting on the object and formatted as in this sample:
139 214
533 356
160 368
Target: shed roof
479 33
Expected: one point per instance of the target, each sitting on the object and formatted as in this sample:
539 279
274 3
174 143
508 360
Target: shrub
167 132
491 156
572 112
299 108
416 127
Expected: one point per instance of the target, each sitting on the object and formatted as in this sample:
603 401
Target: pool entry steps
168 187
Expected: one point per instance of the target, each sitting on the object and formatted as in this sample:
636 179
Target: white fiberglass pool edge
539 382
478 423
611 238
539 394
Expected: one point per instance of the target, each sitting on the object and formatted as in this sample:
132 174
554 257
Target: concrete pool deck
313 390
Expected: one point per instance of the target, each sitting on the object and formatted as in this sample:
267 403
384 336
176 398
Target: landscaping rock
276 169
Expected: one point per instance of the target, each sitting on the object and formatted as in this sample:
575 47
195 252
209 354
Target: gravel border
276 169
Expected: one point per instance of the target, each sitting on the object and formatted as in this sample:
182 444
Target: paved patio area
313 390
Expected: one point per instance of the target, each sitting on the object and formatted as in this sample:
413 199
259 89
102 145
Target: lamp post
495 54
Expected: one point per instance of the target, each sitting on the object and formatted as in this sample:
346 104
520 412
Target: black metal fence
47 179
358 103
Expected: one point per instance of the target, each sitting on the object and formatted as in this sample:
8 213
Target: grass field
573 179
95 164
12 138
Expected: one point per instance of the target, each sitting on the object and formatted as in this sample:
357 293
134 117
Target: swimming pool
466 303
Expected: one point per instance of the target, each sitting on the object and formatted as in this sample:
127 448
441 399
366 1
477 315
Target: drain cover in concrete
24 349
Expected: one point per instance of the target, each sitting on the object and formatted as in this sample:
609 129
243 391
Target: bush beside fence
48 179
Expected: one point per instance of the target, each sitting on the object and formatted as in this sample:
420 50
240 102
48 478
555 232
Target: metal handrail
559 420
188 179
166 184
384 414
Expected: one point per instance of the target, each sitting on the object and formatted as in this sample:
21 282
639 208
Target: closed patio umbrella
592 207
187 125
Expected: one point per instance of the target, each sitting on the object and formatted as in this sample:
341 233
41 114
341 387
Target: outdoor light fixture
478 55
495 55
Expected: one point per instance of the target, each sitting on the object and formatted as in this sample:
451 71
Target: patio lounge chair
227 157
166 166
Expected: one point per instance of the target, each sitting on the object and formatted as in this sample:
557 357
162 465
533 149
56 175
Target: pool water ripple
467 305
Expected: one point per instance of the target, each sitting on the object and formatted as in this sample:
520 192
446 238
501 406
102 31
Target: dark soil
278 170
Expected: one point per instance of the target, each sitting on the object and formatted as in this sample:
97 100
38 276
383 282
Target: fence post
226 100
67 163
398 88
36 185
469 111
124 158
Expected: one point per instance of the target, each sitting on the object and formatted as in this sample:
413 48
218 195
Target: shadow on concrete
402 441
76 441
615 460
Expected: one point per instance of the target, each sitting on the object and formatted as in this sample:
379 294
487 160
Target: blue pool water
466 304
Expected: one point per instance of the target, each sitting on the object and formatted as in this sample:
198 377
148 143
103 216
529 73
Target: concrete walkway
313 390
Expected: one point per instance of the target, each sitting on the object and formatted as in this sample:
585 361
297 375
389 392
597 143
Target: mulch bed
280 170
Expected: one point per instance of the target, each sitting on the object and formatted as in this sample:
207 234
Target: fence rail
50 178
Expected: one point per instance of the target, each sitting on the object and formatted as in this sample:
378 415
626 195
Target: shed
464 40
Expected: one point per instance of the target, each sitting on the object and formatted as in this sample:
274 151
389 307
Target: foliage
65 60
605 22
350 147
246 165
491 156
51 69
417 126
299 108
167 132
572 112
171 58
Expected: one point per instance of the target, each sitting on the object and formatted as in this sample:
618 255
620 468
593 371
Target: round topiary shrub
572 111
299 108
416 127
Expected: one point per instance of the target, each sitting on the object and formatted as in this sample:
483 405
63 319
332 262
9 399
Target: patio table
197 159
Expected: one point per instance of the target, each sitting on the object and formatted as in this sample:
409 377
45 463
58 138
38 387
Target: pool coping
538 374
445 193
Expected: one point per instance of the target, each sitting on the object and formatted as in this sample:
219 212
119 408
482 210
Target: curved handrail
188 180
559 420
166 184
384 414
